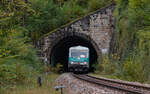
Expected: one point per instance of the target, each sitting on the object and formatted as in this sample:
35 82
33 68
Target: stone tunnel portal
60 51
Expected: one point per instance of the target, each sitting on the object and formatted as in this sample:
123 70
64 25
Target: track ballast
125 87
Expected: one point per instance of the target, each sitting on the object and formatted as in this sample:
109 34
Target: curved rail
122 86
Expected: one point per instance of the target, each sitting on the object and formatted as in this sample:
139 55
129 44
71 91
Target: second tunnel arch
60 49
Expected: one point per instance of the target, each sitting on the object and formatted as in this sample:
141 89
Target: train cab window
79 54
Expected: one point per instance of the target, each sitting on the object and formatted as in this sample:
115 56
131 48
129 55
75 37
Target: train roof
79 48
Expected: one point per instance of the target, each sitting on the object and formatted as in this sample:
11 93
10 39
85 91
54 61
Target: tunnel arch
60 49
97 28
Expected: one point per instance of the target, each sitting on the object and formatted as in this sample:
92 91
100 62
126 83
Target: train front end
78 59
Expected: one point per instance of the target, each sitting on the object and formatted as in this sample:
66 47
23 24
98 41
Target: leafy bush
134 71
57 69
96 4
130 69
132 40
51 14
11 74
18 59
106 66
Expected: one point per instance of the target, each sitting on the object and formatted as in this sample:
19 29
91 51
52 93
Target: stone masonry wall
96 27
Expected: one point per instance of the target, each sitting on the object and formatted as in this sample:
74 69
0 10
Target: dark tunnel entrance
60 51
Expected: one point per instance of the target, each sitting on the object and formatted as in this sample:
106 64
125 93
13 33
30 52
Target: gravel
76 86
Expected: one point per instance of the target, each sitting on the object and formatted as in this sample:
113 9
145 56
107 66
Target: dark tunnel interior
60 51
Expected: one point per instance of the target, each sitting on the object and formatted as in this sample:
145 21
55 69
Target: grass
103 75
31 86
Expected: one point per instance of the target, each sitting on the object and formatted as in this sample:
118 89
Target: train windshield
79 54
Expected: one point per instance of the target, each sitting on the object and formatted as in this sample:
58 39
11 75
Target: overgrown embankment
130 55
22 22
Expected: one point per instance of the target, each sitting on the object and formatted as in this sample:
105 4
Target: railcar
78 59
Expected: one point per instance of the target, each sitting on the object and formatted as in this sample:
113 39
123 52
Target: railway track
128 88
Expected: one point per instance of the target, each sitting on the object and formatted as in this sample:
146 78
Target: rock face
97 27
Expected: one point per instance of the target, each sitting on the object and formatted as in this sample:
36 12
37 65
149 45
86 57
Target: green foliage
46 18
11 74
57 69
18 59
130 69
106 66
51 14
39 17
31 86
12 13
134 71
132 43
96 4
144 41
132 18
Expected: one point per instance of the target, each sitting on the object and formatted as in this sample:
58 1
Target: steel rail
126 87
123 82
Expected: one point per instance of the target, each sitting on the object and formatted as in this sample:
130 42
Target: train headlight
72 62
85 63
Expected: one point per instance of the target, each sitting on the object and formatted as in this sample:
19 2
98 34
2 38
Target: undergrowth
31 86
129 58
